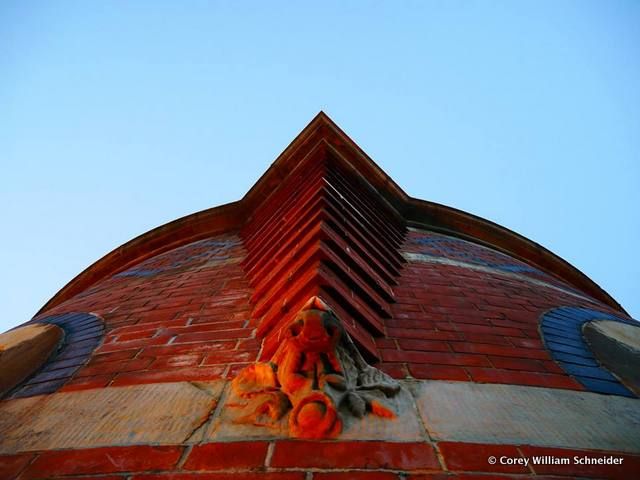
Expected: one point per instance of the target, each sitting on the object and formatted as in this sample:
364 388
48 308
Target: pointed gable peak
320 140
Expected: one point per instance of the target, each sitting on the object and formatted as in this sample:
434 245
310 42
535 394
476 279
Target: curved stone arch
561 331
83 332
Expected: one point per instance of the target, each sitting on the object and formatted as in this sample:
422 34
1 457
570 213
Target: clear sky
117 117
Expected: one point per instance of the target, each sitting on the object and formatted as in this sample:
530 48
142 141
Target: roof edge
179 232
232 216
451 221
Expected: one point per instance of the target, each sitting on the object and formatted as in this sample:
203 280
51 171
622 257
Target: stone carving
316 374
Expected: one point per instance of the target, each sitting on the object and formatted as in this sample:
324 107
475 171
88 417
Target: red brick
423 345
470 337
476 319
455 302
145 342
491 330
494 375
393 369
112 357
12 465
467 476
523 316
172 349
222 456
473 457
424 334
102 460
235 356
249 344
177 361
150 326
208 327
366 455
402 307
499 350
528 342
115 367
215 335
438 372
415 331
517 364
629 468
222 476
87 383
510 302
160 314
433 358
92 477
385 343
356 475
170 375
125 337
552 367
501 322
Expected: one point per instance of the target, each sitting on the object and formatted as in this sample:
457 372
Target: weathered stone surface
166 413
24 350
617 346
406 426
508 414
623 333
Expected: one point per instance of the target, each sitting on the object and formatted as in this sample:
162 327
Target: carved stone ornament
316 374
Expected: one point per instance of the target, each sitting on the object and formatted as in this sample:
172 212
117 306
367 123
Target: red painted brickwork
12 465
475 319
186 315
102 460
284 460
183 315
323 232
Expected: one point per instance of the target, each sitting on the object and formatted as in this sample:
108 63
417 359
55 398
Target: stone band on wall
189 412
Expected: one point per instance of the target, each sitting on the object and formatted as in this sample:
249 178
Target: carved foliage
316 374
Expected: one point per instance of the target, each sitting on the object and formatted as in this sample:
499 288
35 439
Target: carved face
315 331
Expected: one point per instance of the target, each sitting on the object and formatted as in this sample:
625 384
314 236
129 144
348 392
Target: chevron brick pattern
324 232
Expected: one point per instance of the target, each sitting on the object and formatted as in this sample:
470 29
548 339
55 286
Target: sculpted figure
316 373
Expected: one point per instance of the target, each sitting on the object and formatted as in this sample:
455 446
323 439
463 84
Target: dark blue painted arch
562 334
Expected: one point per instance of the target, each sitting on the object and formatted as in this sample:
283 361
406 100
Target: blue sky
117 117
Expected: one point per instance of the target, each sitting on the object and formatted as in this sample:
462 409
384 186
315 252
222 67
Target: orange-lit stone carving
317 375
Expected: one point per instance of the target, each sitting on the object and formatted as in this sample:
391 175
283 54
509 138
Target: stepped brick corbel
324 231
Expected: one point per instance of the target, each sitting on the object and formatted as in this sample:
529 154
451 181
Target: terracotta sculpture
318 373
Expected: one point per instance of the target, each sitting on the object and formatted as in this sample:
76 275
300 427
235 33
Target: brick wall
469 313
186 315
304 460
462 313
181 316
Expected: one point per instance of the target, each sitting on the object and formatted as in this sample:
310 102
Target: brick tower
326 326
